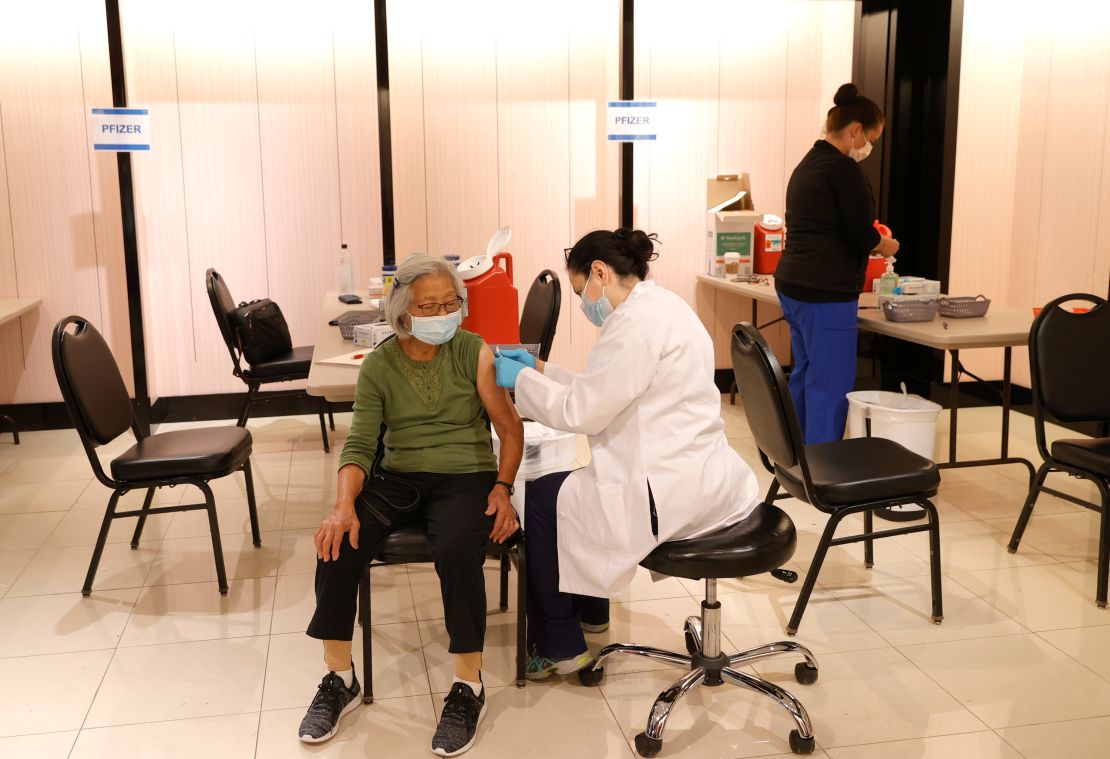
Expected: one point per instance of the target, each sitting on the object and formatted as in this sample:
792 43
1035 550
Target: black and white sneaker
458 725
333 700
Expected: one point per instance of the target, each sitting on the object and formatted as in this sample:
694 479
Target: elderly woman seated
432 389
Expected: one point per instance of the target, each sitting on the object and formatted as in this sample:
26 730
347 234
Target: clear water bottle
345 275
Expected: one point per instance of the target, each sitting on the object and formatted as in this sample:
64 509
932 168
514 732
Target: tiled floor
157 664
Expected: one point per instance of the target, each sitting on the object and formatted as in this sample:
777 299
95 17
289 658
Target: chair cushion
862 470
409 545
765 540
203 451
1092 454
295 362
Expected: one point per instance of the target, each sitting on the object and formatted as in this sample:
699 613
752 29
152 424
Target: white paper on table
354 358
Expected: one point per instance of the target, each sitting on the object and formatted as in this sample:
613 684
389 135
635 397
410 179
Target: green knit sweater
434 416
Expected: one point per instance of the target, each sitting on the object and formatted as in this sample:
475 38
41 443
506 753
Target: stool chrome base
708 666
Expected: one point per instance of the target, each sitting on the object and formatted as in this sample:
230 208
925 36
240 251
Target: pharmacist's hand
505 521
329 537
888 247
506 370
520 356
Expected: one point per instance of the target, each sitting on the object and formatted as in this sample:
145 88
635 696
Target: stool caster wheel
798 744
589 677
691 646
646 746
804 673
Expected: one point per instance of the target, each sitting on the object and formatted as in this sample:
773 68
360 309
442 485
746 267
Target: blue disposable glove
507 370
522 356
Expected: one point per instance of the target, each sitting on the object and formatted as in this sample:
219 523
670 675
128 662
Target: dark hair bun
640 246
846 95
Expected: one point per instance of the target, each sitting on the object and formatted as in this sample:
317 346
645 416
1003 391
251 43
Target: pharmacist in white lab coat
661 467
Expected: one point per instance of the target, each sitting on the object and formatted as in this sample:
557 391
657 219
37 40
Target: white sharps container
545 451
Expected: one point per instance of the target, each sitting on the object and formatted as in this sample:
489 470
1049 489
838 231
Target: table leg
953 405
954 401
11 423
1007 354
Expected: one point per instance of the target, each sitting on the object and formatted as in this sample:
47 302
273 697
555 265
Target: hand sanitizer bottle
889 281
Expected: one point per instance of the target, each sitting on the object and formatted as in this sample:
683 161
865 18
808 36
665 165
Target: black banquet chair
409 545
101 410
287 367
840 478
1069 365
541 312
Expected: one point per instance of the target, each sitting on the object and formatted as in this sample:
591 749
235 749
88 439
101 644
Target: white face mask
860 153
436 330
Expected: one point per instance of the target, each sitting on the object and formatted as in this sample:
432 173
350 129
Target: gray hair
415 267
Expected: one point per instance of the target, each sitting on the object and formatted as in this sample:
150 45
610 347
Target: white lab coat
648 405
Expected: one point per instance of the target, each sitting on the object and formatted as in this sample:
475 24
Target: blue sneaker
540 667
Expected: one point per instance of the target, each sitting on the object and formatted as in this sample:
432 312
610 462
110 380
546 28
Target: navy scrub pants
823 338
554 618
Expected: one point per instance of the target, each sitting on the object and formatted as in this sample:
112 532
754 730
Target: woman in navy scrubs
830 213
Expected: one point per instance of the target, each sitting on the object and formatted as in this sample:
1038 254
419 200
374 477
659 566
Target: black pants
554 618
452 508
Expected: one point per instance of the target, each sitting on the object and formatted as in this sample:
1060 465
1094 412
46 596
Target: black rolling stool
761 543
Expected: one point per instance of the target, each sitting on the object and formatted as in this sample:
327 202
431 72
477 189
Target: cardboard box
730 219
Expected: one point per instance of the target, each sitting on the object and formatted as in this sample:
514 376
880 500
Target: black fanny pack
384 493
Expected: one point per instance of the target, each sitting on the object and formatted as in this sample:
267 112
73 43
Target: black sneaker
333 700
458 725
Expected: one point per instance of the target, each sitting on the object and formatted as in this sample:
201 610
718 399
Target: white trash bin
545 451
907 419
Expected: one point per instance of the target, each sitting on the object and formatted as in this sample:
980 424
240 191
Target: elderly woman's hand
329 537
505 521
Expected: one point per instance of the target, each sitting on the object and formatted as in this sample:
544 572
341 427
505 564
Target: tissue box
371 335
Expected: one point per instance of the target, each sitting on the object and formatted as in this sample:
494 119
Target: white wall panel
460 127
12 349
498 119
533 129
265 160
294 56
594 161
161 230
1031 200
406 106
63 231
356 108
222 168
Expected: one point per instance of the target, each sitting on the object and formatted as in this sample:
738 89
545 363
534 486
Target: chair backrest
91 385
762 386
222 306
1069 360
541 312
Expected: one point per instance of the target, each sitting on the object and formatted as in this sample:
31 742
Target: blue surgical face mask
597 311
436 330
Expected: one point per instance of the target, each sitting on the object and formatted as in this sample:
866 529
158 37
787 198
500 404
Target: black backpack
260 330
